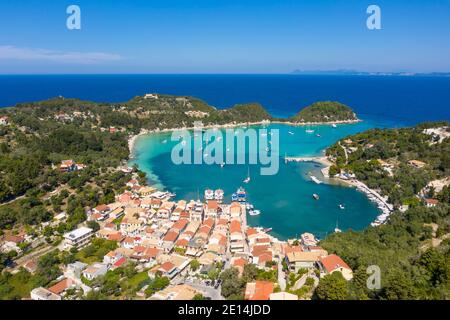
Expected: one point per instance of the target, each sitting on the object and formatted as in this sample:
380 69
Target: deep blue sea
405 100
284 199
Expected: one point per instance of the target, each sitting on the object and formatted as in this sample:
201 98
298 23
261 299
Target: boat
318 135
290 132
247 180
209 194
341 206
254 212
337 230
316 196
241 195
313 178
222 165
249 206
218 194
164 141
267 229
334 125
234 197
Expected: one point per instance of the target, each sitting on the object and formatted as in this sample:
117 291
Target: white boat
164 141
209 194
337 230
218 194
254 212
318 135
316 196
313 178
249 206
290 132
309 131
247 180
222 165
334 125
341 206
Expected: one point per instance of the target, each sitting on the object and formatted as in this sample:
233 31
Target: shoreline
132 139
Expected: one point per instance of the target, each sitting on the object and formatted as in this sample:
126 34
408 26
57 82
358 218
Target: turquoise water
285 199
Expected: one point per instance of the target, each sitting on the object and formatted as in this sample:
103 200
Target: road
281 276
208 291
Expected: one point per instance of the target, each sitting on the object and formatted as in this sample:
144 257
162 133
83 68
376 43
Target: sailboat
341 206
337 230
309 130
247 180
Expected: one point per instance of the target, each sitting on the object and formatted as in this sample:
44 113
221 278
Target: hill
325 111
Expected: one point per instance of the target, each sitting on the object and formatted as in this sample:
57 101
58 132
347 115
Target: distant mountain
366 73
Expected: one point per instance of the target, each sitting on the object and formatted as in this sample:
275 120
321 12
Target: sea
285 199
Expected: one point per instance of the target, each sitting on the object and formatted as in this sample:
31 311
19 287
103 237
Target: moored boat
316 196
209 194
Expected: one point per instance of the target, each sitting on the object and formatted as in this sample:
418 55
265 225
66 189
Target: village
188 243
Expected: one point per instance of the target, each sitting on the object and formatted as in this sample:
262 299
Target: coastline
132 139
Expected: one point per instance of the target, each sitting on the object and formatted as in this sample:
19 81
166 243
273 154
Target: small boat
247 180
341 206
222 165
337 230
267 149
249 206
254 212
290 132
318 135
316 196
334 125
309 131
234 197
209 194
241 195
267 229
313 178
164 141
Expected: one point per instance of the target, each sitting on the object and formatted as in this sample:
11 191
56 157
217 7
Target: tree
231 286
332 287
93 225
195 265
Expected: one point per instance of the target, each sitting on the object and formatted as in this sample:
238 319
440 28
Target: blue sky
223 36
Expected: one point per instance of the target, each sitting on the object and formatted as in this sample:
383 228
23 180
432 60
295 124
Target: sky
223 36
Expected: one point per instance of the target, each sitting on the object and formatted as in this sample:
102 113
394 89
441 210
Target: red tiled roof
61 286
171 236
333 262
120 262
167 266
262 290
235 226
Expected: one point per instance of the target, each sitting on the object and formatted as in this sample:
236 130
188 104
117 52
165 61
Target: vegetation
325 111
414 258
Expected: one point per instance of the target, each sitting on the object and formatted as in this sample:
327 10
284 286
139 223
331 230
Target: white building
78 238
43 294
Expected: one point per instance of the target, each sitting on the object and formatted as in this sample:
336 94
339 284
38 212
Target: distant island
369 73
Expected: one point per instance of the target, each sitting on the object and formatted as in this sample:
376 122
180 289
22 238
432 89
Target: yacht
222 165
334 125
290 132
267 229
218 195
209 194
316 196
249 206
241 195
254 212
234 197
341 206
337 230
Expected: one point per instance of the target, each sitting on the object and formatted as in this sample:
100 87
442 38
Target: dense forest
412 248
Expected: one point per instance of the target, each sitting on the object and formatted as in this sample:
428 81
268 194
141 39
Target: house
212 209
178 292
167 269
43 294
4 120
333 263
102 209
31 266
258 290
74 270
417 164
235 210
95 270
11 242
67 166
62 286
300 260
112 257
78 238
308 239
431 203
